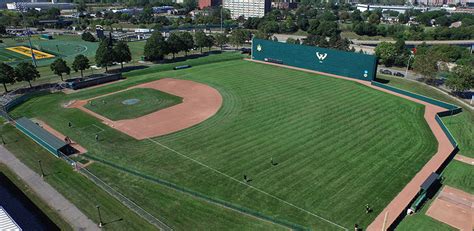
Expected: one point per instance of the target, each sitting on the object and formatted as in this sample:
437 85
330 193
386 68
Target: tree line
157 46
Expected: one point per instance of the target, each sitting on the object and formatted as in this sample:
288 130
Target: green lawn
75 187
48 211
459 175
339 145
149 100
460 125
456 174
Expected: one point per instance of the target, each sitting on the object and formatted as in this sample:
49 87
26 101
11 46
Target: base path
398 205
453 207
68 211
200 102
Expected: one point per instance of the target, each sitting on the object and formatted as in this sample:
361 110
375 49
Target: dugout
43 137
92 80
427 190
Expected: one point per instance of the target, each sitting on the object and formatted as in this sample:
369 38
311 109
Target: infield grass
115 106
338 145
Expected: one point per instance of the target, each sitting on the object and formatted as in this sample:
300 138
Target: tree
221 40
60 67
374 18
210 41
238 37
356 16
155 47
201 39
122 53
174 43
104 56
80 63
426 65
190 5
290 40
386 52
461 78
87 36
7 75
25 71
3 29
187 42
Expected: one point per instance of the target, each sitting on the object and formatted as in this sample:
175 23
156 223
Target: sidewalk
68 211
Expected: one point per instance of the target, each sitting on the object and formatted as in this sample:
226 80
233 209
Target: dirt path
464 159
200 102
397 206
453 207
60 136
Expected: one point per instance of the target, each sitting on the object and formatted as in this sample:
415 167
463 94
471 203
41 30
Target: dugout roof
40 135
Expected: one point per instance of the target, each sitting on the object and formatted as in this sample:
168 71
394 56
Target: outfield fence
450 110
202 196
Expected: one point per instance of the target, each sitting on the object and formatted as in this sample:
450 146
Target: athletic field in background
61 46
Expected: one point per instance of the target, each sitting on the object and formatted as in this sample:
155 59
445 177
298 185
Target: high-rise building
209 3
247 8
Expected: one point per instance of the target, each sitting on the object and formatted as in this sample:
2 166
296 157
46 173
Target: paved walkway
69 212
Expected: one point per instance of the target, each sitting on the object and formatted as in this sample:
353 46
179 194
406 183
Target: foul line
250 186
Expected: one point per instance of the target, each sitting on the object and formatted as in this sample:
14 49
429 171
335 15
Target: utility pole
222 8
41 168
100 217
22 9
408 65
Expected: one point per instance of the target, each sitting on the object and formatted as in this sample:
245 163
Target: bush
87 36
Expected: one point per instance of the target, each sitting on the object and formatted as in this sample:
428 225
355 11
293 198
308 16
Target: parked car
387 72
399 74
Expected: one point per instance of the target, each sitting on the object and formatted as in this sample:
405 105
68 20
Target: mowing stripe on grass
250 186
201 196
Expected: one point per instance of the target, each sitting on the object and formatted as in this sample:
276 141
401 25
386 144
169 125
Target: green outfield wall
348 64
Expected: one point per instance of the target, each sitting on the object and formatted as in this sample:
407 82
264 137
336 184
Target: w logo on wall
321 57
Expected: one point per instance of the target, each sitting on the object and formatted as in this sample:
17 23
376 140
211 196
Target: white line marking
250 186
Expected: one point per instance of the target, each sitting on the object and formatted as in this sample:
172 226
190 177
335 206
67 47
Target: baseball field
314 149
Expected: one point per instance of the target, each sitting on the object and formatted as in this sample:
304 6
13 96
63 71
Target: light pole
408 65
22 8
222 7
100 217
41 168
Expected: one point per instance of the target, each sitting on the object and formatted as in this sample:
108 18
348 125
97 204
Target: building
7 222
247 8
39 5
400 9
209 3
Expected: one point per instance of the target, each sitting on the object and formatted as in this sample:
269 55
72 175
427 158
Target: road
68 211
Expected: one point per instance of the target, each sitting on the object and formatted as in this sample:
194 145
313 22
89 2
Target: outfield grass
339 145
33 197
176 209
458 175
460 125
150 100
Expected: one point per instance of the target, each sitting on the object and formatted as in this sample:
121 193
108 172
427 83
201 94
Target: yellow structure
26 51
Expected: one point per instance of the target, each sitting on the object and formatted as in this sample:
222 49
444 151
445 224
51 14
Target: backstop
342 63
